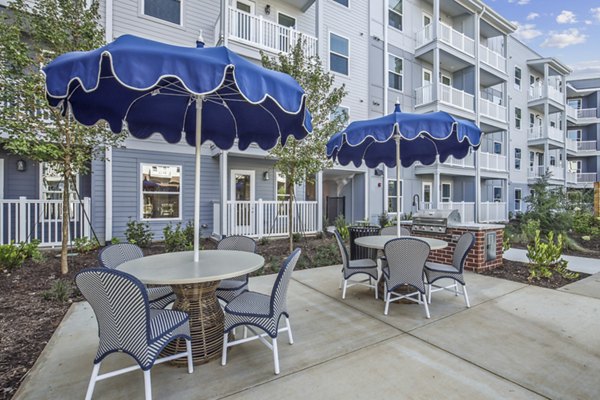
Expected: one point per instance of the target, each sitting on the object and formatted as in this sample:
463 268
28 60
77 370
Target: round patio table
194 285
378 242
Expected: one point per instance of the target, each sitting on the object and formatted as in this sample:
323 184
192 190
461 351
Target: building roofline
489 15
555 63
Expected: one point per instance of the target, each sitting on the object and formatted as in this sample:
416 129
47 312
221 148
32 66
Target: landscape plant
300 160
13 255
342 227
139 233
545 257
34 32
549 206
179 238
85 245
60 290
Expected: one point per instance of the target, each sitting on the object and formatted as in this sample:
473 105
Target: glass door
427 86
426 195
242 210
243 24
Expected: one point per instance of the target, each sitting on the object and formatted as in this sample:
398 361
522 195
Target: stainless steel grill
434 221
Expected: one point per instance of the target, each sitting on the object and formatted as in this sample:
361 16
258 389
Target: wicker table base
206 322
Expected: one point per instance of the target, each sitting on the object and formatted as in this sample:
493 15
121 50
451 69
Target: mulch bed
28 320
519 272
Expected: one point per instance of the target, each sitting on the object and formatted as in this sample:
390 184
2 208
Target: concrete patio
516 341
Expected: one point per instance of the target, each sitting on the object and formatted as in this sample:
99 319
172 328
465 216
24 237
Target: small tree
32 34
549 206
299 161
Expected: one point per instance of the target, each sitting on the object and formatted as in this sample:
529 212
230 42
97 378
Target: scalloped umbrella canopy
202 94
422 137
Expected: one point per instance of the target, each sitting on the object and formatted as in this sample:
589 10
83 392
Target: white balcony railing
492 110
492 162
448 35
493 211
537 92
423 95
24 220
492 58
587 177
267 35
553 133
555 94
467 162
571 177
465 208
587 145
457 98
571 112
556 173
571 144
266 218
585 113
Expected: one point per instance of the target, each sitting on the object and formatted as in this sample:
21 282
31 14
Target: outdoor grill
434 221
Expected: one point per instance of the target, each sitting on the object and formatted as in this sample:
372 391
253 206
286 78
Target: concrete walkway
577 264
515 342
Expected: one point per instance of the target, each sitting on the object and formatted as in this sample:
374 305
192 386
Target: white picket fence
25 220
266 218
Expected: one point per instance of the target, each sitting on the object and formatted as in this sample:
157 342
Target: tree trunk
64 265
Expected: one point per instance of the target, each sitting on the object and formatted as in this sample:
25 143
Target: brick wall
476 260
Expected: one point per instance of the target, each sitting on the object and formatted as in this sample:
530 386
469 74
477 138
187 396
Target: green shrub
327 255
85 245
530 229
11 256
139 233
585 223
505 241
296 237
263 241
545 257
178 238
549 206
342 227
32 251
115 240
59 291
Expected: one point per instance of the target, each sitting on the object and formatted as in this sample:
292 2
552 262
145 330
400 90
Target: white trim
141 187
108 21
252 175
397 13
494 193
401 74
423 185
142 14
329 52
1 178
41 190
449 183
249 3
157 143
515 78
423 15
289 16
387 183
520 199
448 77
423 81
494 147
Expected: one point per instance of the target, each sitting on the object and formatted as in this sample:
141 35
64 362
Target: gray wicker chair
350 268
391 230
127 324
231 288
406 259
116 254
252 309
435 271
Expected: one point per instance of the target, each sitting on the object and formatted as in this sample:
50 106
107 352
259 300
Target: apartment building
452 55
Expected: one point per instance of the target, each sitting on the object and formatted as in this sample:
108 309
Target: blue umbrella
424 138
197 93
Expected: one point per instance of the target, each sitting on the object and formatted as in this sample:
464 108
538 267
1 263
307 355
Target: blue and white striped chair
393 230
116 254
127 324
231 288
364 266
406 259
252 309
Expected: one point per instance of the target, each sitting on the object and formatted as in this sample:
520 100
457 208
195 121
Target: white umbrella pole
199 100
397 139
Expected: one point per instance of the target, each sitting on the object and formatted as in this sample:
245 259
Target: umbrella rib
224 103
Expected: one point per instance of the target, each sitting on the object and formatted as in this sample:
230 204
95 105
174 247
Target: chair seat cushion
362 263
250 303
440 267
164 321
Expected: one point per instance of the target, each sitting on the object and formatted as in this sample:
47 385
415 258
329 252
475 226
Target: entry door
426 194
242 212
426 19
427 83
245 20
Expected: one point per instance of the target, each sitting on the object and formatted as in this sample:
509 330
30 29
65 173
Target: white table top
379 241
179 268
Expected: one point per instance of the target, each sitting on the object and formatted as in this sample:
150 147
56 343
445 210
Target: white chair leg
341 281
90 390
387 304
275 356
464 288
456 288
289 330
344 289
245 331
147 385
426 310
376 290
224 355
188 345
429 293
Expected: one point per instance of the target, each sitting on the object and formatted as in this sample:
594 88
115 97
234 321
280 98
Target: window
553 161
395 74
517 118
497 147
574 103
579 164
518 197
531 159
446 80
426 20
286 20
341 111
310 189
392 195
283 193
339 54
517 78
446 192
531 120
518 158
531 80
395 13
161 191
166 10
342 2
497 193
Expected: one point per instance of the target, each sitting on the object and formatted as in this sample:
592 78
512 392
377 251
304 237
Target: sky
566 29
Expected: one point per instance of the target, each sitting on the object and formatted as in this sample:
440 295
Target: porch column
546 120
223 208
477 119
319 194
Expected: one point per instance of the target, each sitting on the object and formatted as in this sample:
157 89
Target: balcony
492 110
465 208
492 162
266 35
492 211
587 145
571 145
492 58
556 173
587 177
448 35
447 95
571 112
537 92
552 133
